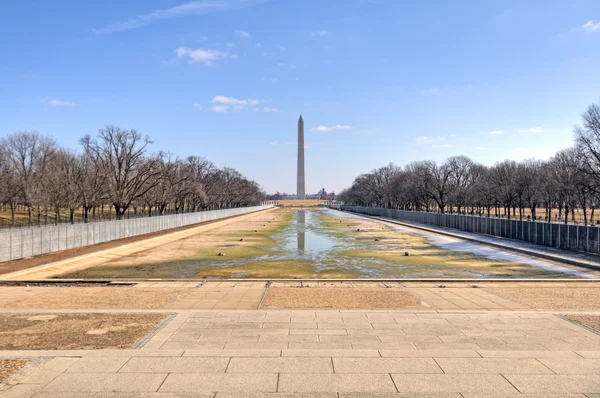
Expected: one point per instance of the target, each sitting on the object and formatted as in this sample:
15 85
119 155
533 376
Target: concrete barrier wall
569 237
28 242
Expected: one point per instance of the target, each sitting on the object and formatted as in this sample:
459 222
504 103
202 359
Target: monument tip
300 120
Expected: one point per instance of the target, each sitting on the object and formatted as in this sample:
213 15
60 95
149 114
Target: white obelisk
300 187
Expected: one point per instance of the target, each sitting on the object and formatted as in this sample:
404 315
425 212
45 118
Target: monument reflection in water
301 225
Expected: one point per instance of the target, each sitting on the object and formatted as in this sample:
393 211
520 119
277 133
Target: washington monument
300 187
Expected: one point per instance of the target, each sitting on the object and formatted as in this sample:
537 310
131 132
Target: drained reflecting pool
322 243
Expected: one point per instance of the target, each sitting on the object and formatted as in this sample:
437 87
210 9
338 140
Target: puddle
494 254
308 243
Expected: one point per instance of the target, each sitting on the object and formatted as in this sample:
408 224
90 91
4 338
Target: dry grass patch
553 298
8 367
342 298
103 298
591 321
74 331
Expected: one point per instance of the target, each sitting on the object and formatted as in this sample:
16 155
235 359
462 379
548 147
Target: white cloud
220 108
221 99
201 55
223 103
198 106
57 102
591 26
259 45
230 44
320 33
496 132
274 142
306 146
241 33
331 128
532 130
432 90
266 109
441 146
186 9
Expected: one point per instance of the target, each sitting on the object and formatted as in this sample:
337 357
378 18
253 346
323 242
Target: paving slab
385 365
444 383
280 365
98 382
98 365
221 382
555 384
492 365
318 382
573 365
175 365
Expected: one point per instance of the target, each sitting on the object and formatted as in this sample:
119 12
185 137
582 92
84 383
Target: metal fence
569 237
28 242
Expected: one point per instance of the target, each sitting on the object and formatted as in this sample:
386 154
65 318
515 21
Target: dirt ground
552 298
242 239
592 321
342 298
375 240
10 366
74 331
30 262
103 297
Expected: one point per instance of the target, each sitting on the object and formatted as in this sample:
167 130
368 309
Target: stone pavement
329 353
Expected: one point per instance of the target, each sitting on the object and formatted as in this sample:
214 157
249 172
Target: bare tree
28 154
121 155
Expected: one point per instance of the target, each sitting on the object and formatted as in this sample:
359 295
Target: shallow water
307 247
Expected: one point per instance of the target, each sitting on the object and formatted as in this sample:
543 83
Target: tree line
114 172
567 182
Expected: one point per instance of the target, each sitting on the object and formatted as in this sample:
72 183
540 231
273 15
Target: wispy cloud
241 33
437 141
496 132
219 108
266 109
591 26
198 106
274 142
57 102
320 33
221 104
433 90
331 128
221 99
200 55
182 10
533 130
429 140
480 148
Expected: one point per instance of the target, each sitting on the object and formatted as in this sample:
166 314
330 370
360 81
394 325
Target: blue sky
376 81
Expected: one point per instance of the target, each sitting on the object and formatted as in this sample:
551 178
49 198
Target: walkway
485 345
